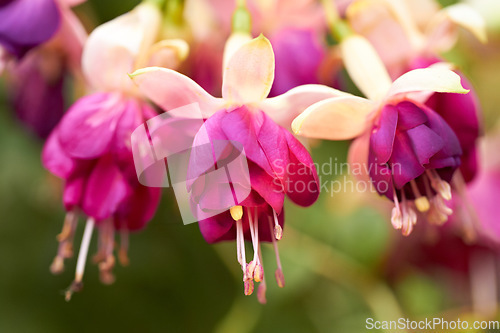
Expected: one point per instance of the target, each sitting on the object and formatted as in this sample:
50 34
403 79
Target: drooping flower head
406 148
90 149
408 37
246 121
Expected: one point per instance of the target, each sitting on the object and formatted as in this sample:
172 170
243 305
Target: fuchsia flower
245 116
90 149
406 148
417 36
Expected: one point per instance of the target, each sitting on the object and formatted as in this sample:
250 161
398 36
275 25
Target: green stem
339 28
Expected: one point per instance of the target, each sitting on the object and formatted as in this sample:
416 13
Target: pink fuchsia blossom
476 207
409 150
91 150
244 115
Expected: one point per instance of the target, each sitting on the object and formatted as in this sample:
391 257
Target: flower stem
339 28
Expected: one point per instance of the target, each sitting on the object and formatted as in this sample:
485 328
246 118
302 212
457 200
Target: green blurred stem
159 3
337 267
339 28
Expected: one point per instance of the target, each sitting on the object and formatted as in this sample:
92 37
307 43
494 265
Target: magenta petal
106 189
451 145
88 128
25 24
273 141
242 126
269 188
410 115
425 142
55 159
130 119
483 193
202 157
404 163
382 137
302 186
136 212
381 177
218 228
73 191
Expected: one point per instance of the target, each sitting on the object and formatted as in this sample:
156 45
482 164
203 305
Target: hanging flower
90 148
406 148
277 161
418 35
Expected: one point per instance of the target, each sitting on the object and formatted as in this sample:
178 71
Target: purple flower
25 24
462 113
298 56
405 148
412 156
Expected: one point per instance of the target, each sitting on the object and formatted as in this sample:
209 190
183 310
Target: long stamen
259 269
409 216
124 243
108 261
278 231
261 291
396 219
280 278
439 185
421 202
77 284
65 238
251 265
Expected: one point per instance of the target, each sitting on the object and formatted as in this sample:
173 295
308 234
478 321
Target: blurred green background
333 255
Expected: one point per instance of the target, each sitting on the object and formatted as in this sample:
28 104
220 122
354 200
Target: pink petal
105 190
358 156
111 49
136 212
88 127
55 159
303 186
170 89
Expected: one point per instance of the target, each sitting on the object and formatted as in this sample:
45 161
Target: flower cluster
261 97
